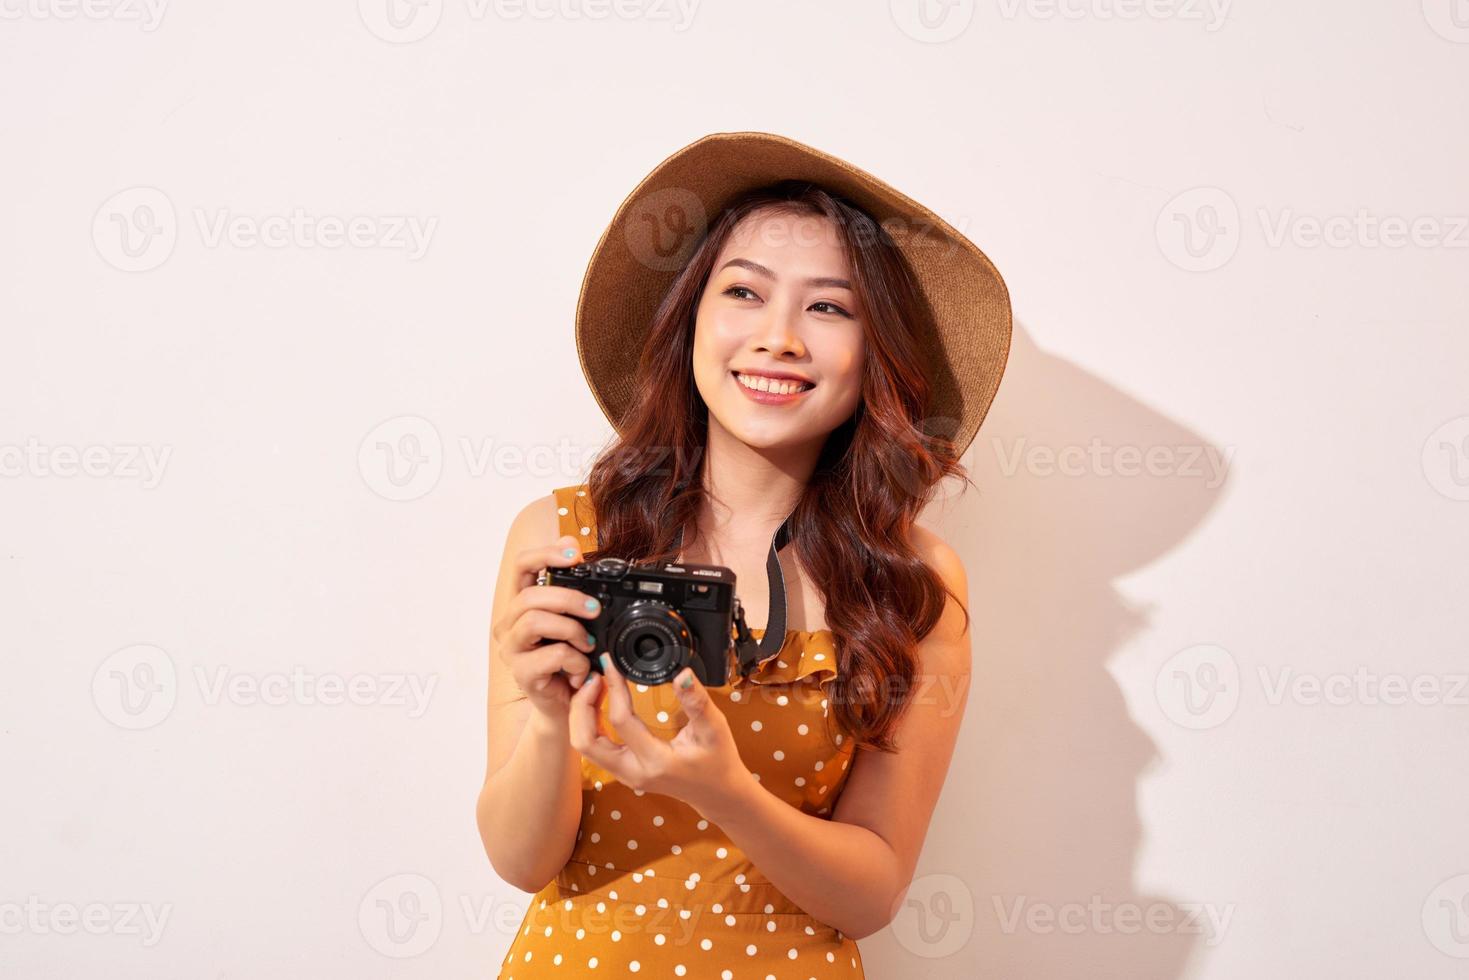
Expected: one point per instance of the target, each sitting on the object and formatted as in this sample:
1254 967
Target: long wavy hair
875 473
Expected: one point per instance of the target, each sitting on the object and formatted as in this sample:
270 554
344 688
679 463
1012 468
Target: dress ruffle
805 653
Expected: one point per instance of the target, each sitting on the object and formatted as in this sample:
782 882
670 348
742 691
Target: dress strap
574 514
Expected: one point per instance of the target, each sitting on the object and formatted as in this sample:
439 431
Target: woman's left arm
853 870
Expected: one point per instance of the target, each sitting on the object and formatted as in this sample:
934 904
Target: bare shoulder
537 524
949 639
939 555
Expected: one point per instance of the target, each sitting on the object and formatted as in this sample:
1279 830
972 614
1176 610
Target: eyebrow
759 269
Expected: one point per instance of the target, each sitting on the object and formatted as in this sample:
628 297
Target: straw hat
657 227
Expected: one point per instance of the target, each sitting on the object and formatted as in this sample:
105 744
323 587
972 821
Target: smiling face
779 314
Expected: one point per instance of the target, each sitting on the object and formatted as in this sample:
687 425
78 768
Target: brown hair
875 473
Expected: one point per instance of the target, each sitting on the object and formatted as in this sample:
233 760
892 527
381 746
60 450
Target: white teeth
760 383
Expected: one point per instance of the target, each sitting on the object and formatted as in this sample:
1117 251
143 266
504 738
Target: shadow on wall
1027 872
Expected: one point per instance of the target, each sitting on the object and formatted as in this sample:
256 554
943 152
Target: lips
768 397
776 382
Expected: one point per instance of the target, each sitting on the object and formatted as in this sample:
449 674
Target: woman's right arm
529 806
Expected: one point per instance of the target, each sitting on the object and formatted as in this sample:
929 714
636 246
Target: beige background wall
286 304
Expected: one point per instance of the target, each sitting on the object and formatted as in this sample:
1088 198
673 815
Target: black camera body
658 618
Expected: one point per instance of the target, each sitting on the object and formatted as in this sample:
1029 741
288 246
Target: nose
779 332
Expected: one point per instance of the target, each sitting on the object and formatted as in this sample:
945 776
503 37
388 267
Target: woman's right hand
547 672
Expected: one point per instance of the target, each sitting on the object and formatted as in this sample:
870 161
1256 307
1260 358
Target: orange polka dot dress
654 889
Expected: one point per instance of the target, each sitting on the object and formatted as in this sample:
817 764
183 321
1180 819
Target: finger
693 697
564 551
567 660
620 711
539 626
585 731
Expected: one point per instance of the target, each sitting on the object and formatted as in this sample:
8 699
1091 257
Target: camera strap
750 652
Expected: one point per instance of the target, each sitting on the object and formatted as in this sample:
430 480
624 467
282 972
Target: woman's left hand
700 765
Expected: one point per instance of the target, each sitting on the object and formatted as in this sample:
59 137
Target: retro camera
658 618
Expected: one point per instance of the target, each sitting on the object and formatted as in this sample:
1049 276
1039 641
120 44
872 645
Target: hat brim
658 225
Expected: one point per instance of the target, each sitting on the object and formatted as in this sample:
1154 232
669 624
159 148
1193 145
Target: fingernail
688 680
604 661
591 640
592 604
569 552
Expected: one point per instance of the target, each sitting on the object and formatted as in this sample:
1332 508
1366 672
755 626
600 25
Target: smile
771 391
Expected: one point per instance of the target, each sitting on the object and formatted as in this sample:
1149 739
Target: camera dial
610 567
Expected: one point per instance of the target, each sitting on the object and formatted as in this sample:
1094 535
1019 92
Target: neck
749 491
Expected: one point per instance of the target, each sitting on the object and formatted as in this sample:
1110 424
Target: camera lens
650 643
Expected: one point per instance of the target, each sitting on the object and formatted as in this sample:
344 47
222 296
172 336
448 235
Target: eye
834 308
742 289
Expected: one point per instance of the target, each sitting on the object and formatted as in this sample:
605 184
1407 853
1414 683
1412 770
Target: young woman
784 368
